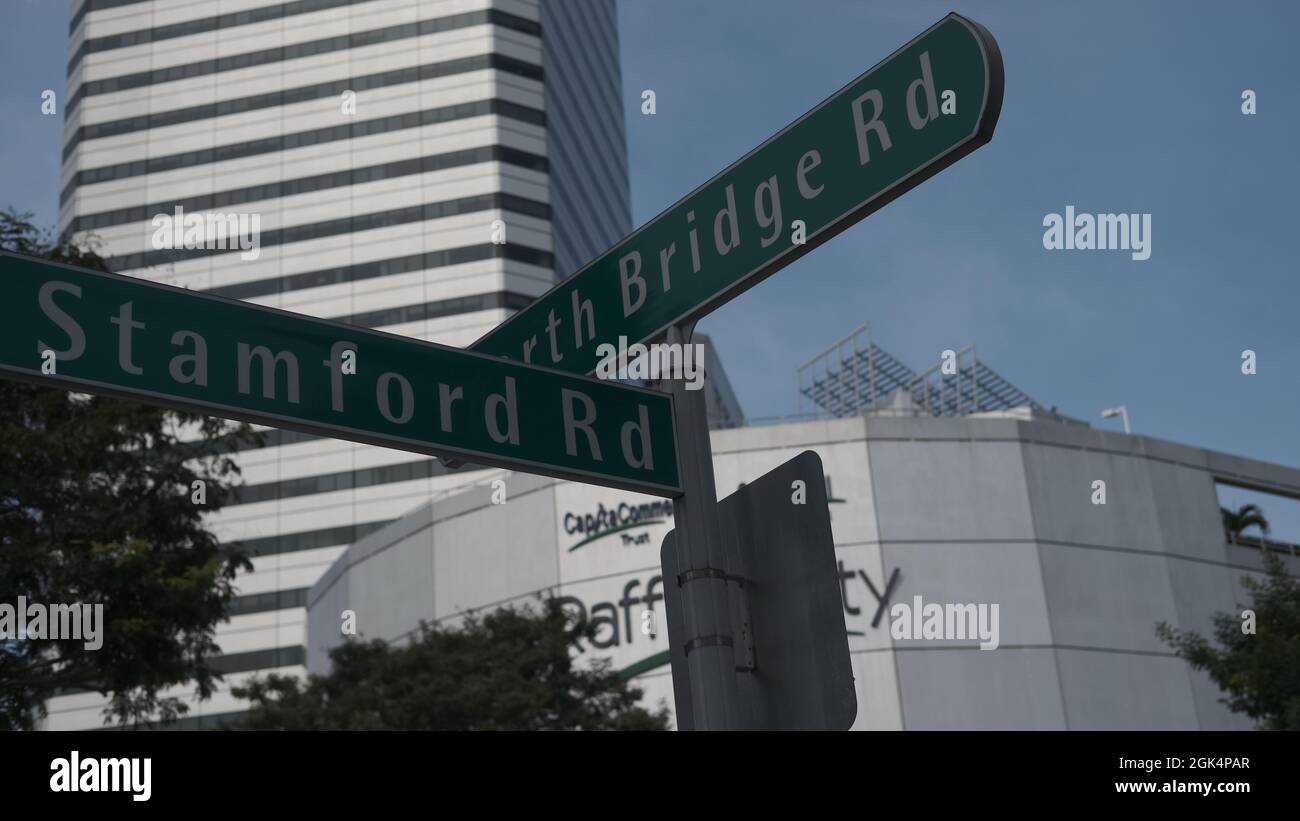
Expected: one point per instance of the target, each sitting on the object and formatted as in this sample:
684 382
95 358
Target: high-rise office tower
385 148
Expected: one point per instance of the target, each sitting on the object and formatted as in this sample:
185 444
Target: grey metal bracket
746 657
742 641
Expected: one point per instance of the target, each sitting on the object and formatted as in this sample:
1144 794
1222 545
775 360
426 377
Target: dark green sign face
102 333
924 107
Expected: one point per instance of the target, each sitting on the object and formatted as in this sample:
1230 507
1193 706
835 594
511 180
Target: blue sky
1110 107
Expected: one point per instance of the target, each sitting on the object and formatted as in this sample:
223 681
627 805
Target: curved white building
993 509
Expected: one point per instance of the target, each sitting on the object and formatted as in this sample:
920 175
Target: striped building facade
376 208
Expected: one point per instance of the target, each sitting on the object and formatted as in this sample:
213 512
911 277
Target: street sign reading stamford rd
94 332
921 109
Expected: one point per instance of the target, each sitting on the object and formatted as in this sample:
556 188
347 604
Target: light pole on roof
1121 411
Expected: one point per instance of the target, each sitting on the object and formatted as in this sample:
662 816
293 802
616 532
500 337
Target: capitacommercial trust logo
617 519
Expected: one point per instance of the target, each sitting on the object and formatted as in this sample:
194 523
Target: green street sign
921 109
102 333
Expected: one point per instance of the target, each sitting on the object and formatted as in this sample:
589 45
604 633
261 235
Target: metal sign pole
700 553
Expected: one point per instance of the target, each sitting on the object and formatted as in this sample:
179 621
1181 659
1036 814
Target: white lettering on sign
275 373
736 216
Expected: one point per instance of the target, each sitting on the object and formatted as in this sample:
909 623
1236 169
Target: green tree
96 507
1235 522
510 669
1259 670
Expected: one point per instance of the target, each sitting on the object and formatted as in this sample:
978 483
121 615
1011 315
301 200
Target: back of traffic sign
788 632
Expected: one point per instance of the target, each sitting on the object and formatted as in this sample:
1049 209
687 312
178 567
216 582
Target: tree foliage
1235 522
96 507
1258 671
510 669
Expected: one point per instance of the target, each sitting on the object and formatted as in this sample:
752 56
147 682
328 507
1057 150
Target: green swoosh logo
613 530
647 663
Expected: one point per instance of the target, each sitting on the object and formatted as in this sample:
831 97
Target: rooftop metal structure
854 376
851 375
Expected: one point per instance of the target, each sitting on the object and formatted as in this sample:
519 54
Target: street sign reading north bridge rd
918 111
129 337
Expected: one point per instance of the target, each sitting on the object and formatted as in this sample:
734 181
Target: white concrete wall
967 511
